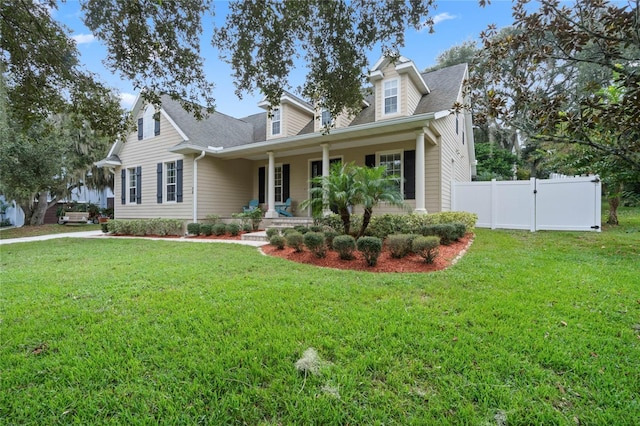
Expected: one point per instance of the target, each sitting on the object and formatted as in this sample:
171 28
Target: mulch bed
447 255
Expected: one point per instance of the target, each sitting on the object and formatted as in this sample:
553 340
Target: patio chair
282 208
253 204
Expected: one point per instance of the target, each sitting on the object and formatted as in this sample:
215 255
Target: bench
74 217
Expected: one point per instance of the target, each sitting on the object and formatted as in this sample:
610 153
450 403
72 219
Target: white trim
394 152
384 98
165 184
272 121
173 123
411 69
376 75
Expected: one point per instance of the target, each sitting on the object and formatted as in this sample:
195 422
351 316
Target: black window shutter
138 185
156 128
410 175
140 122
462 138
179 181
123 194
456 124
261 184
285 182
159 194
370 160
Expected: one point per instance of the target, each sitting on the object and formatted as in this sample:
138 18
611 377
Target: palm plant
375 186
338 189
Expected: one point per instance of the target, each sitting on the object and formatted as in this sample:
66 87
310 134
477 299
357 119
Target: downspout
195 186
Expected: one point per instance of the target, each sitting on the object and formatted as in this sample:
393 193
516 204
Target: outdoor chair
253 204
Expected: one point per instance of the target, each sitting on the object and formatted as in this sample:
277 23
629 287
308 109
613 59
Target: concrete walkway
101 235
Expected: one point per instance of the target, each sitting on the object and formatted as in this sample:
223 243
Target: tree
338 189
576 49
375 186
347 186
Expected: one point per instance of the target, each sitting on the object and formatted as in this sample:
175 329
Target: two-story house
178 167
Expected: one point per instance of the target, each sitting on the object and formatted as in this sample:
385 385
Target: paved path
99 234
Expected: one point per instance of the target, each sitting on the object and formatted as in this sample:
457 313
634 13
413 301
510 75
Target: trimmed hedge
205 229
370 247
272 231
389 224
295 240
399 245
316 244
278 241
426 247
193 228
345 245
219 229
233 229
142 227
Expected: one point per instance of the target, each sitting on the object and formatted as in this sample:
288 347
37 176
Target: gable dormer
398 87
288 118
324 118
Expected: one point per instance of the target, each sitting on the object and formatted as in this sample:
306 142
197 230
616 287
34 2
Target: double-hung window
275 122
393 161
391 96
171 176
133 185
278 184
326 118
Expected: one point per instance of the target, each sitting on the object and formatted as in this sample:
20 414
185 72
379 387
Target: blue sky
456 21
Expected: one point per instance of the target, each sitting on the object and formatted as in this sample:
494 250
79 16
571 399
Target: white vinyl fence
571 204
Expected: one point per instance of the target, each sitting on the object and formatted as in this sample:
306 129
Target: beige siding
390 73
147 153
294 119
224 186
342 120
413 96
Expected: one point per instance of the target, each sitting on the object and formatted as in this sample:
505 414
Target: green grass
34 231
540 328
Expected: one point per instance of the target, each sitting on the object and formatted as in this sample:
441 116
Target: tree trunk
346 220
39 212
614 202
366 218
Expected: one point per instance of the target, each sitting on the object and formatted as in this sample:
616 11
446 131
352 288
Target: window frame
278 190
396 96
400 173
132 185
323 121
166 182
277 121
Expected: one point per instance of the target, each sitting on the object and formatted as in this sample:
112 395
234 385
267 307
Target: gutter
195 185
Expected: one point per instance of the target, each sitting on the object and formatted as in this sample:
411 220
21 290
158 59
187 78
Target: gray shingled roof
444 85
222 130
215 130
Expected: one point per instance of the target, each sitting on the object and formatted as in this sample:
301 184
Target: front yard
539 328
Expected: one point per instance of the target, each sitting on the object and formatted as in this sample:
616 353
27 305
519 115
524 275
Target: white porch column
420 159
271 188
325 172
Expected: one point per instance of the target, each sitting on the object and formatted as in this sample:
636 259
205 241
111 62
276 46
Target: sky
456 21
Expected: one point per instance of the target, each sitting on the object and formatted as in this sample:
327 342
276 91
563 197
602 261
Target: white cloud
127 100
440 17
83 38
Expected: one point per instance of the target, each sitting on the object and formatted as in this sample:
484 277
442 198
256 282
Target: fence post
533 203
494 204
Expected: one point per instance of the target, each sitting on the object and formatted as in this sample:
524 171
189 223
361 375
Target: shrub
316 228
315 243
233 229
193 228
277 241
399 245
329 235
459 230
219 229
446 232
212 219
247 227
250 220
370 247
426 247
469 219
388 224
345 246
301 229
272 231
105 227
295 241
206 229
287 231
145 227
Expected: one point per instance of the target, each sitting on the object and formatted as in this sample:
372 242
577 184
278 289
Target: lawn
34 231
528 328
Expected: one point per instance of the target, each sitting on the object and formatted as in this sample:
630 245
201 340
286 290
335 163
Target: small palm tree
375 186
338 189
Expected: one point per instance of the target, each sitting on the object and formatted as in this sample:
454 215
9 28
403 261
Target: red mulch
412 263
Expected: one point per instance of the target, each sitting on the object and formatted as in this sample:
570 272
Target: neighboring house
178 167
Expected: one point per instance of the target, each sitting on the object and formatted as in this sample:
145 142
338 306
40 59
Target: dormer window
148 125
275 122
325 118
391 96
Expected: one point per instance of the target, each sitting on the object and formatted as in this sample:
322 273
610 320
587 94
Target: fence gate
571 204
